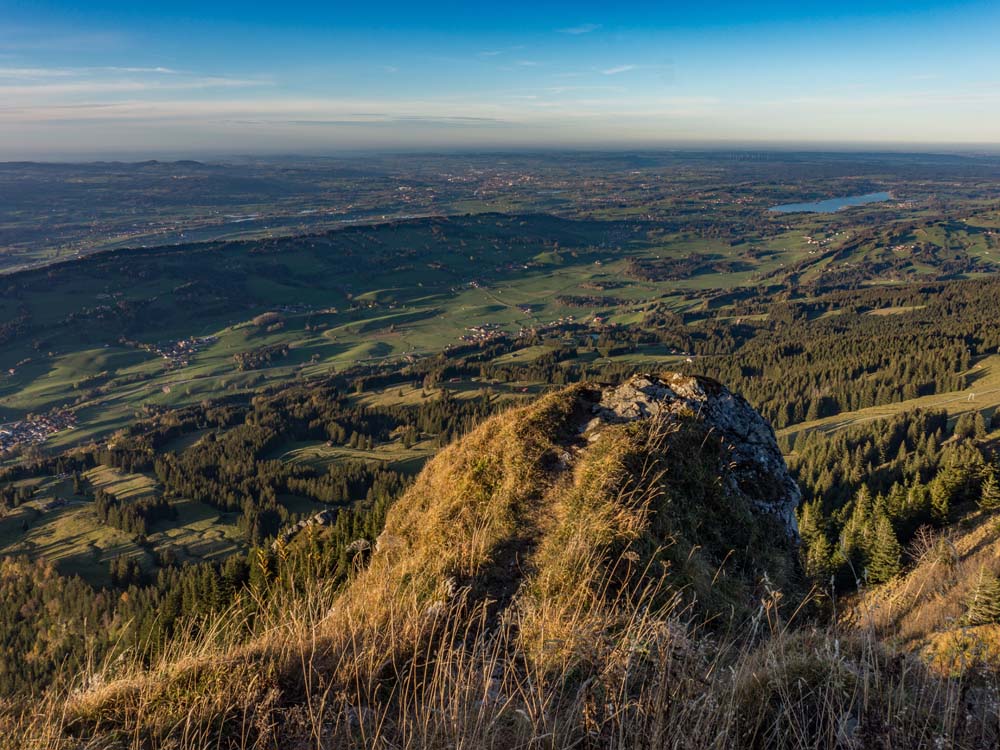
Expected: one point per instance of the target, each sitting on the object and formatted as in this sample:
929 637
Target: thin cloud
498 52
583 28
162 70
34 84
387 120
112 87
276 111
23 72
617 70
38 72
570 89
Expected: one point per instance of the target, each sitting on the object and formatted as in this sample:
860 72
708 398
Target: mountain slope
607 567
931 609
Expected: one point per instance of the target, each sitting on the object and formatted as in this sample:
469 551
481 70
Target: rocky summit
757 468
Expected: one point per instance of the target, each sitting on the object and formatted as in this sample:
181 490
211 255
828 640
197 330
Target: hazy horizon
776 148
178 78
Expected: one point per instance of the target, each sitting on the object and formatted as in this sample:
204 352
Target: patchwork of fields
106 336
123 335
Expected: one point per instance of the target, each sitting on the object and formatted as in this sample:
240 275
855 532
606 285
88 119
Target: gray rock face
323 518
757 468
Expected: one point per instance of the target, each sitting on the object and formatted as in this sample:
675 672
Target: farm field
393 455
62 527
106 383
448 317
115 334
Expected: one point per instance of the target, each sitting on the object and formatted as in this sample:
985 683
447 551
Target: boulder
757 467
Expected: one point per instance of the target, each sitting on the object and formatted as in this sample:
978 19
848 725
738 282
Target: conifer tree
918 500
979 426
964 427
819 563
811 521
863 503
943 490
983 604
813 412
855 533
896 501
884 551
989 496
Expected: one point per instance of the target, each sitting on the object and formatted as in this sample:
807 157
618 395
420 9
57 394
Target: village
178 353
482 333
34 431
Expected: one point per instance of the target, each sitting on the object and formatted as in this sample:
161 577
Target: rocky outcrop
323 518
757 469
753 469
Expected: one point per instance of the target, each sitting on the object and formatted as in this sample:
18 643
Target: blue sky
182 78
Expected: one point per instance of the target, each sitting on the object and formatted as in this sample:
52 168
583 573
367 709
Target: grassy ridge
528 591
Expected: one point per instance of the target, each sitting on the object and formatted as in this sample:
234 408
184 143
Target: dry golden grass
963 650
930 599
651 680
516 600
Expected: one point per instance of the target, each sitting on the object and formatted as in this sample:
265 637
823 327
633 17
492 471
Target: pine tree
811 521
813 412
989 497
979 426
818 561
896 501
964 427
943 491
883 551
918 501
863 505
983 605
855 531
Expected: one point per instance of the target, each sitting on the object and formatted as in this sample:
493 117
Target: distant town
178 353
35 430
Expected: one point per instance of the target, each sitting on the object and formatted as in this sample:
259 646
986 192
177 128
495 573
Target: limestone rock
757 468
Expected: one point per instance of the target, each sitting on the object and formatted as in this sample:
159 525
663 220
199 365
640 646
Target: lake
830 205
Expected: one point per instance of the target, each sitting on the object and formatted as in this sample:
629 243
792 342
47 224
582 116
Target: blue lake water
830 205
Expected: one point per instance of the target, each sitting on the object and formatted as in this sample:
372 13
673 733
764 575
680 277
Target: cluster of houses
11 371
490 331
178 353
560 325
482 333
826 241
35 430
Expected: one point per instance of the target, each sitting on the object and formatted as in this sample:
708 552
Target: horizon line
955 148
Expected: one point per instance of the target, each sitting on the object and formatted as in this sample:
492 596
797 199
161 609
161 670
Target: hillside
945 606
86 342
606 567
